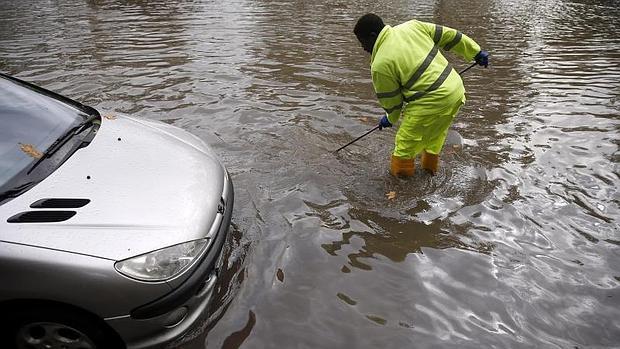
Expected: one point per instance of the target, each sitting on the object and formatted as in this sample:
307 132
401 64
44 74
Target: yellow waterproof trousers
424 129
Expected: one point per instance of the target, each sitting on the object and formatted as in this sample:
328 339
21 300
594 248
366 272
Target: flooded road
515 243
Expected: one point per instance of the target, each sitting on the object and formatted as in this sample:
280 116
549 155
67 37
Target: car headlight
162 264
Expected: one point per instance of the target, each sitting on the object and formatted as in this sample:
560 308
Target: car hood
150 185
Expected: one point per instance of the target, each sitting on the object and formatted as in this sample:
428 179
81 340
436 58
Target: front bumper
167 319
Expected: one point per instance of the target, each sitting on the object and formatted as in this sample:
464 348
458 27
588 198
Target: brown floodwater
515 243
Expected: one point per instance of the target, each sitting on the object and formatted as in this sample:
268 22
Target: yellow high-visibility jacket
409 70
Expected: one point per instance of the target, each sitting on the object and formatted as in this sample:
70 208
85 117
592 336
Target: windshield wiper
14 192
60 141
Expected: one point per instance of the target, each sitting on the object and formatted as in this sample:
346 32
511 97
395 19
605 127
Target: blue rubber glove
384 122
482 58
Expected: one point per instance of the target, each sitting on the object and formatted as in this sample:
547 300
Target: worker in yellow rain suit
413 79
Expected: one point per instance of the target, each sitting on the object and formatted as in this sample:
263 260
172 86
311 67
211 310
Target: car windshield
29 123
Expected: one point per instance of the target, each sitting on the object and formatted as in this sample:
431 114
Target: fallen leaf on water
30 150
110 116
391 195
453 149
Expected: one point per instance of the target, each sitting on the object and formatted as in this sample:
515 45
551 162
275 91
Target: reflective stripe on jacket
407 66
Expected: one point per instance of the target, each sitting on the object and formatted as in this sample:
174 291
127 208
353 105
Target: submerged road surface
514 244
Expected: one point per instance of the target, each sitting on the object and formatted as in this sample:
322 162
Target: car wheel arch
17 308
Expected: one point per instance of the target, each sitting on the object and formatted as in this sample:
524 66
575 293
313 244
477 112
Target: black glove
482 58
384 122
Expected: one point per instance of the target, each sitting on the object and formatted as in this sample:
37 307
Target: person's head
367 30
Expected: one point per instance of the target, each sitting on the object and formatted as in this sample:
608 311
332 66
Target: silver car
111 227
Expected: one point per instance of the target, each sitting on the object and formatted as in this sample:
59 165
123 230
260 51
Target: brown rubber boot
430 162
402 167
